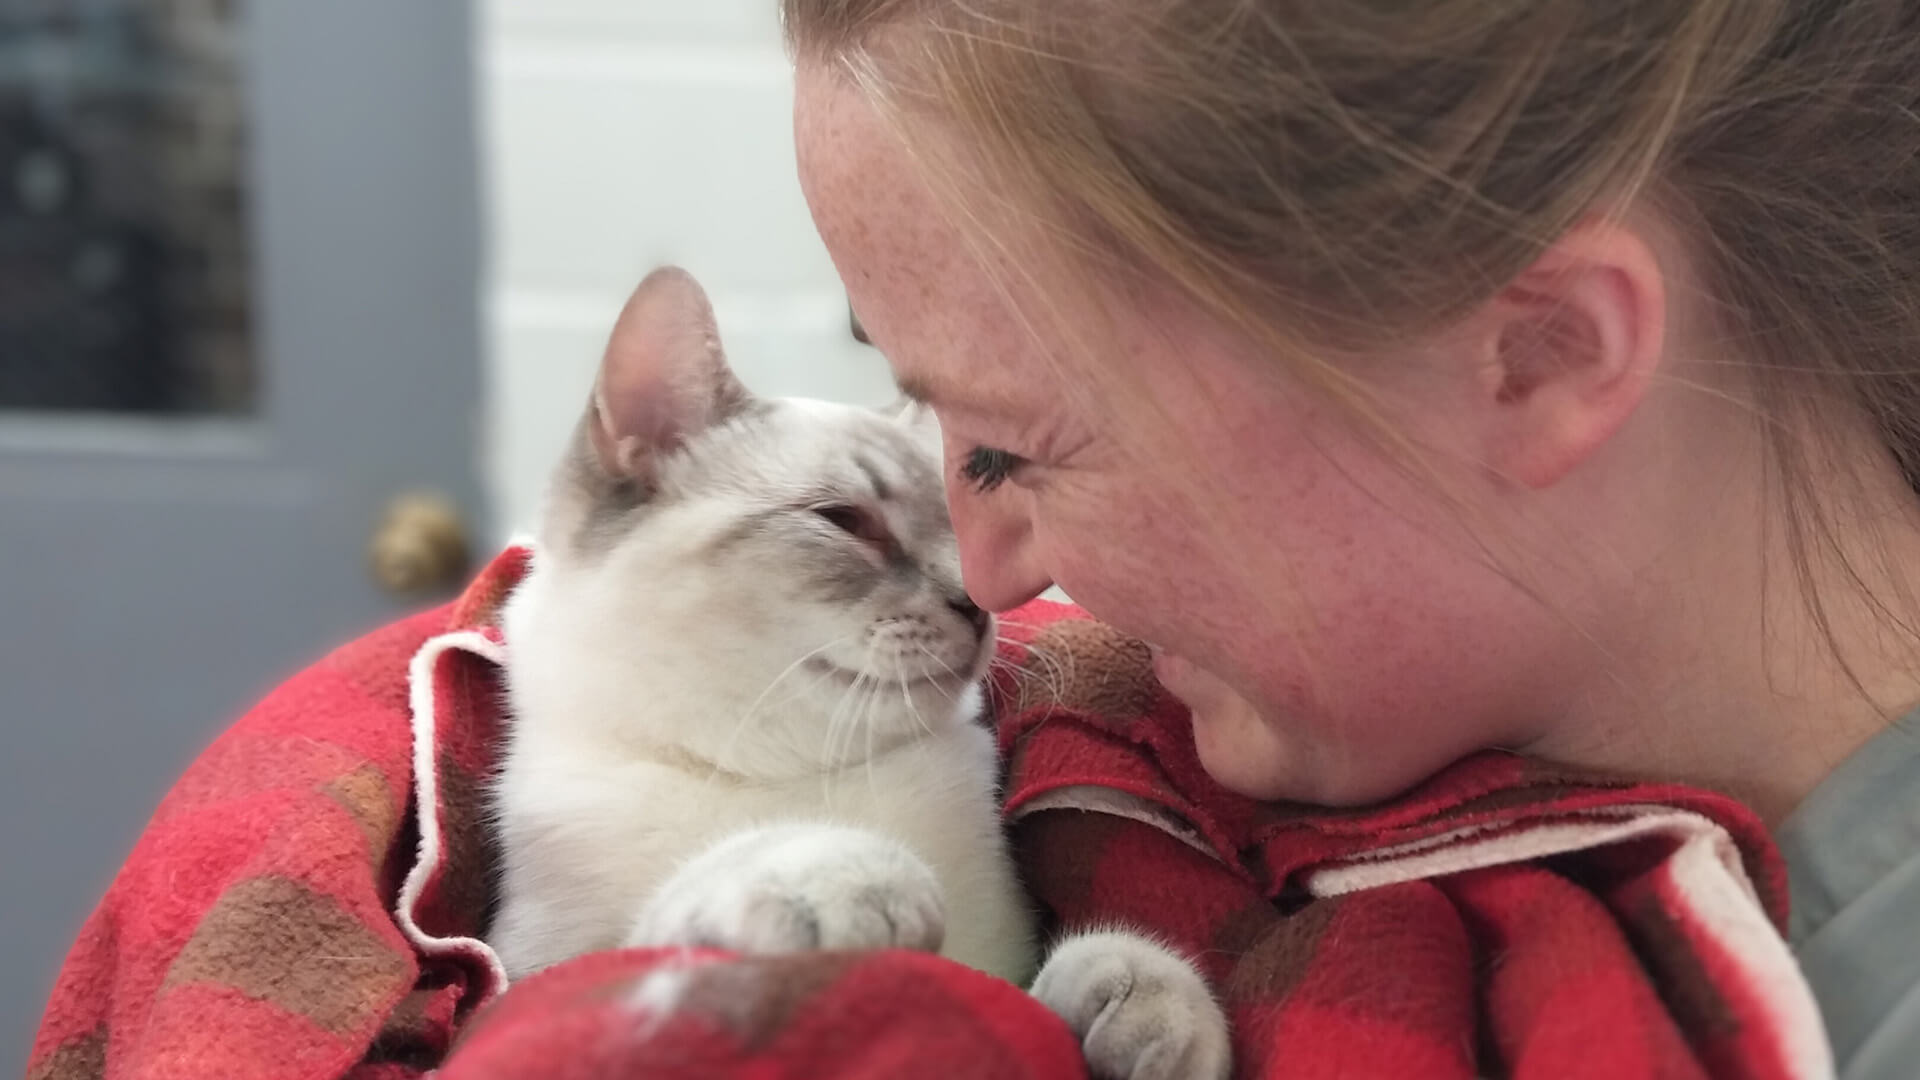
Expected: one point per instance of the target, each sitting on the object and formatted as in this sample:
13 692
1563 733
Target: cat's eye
856 522
986 468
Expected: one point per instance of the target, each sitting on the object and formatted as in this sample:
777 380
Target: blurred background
297 303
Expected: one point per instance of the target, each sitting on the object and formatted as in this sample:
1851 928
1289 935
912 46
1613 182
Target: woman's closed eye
986 468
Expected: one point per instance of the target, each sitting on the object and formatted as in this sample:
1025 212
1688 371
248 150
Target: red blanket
308 900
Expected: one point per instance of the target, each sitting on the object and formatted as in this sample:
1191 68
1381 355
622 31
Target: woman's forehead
879 218
923 294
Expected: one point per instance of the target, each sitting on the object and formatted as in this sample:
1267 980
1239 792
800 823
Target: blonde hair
1343 174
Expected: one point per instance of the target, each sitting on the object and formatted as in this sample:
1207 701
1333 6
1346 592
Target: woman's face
1334 631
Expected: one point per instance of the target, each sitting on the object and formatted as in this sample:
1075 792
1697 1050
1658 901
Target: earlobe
1571 347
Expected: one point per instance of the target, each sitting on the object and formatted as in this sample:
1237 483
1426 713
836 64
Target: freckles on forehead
919 290
873 210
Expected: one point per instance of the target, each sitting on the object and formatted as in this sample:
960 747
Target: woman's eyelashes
986 468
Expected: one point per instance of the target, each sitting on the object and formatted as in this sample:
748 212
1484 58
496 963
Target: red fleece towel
308 904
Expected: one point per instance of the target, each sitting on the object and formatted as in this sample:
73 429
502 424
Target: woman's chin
1246 751
1242 752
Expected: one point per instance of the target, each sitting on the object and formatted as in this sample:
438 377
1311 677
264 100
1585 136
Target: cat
744 683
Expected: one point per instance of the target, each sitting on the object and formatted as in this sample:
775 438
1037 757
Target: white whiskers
747 717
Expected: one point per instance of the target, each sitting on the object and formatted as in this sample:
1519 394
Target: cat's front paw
1141 1012
795 887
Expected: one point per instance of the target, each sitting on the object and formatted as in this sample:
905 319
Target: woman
1421 380
1459 375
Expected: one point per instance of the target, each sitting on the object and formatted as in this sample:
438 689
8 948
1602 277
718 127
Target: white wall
618 135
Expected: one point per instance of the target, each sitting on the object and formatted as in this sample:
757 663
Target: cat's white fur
728 729
603 802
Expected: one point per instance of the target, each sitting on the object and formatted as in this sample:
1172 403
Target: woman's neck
1732 680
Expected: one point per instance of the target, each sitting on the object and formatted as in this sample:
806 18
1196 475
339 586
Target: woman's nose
999 559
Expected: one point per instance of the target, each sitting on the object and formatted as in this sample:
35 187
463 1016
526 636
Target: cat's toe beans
794 888
774 921
1141 1012
904 912
913 918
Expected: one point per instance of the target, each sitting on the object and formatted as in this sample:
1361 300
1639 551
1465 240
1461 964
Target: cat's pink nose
964 606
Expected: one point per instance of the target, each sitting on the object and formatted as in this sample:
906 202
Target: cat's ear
664 378
919 420
911 413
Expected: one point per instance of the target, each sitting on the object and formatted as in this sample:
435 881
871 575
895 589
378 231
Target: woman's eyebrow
965 397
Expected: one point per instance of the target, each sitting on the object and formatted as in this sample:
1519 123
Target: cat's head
783 540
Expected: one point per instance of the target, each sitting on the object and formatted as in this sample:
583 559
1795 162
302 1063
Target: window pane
123 253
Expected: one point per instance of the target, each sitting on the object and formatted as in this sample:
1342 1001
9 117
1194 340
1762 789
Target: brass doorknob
420 546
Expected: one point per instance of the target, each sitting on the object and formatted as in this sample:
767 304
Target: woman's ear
1567 351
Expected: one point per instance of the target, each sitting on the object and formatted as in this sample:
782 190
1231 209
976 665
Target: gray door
238 316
